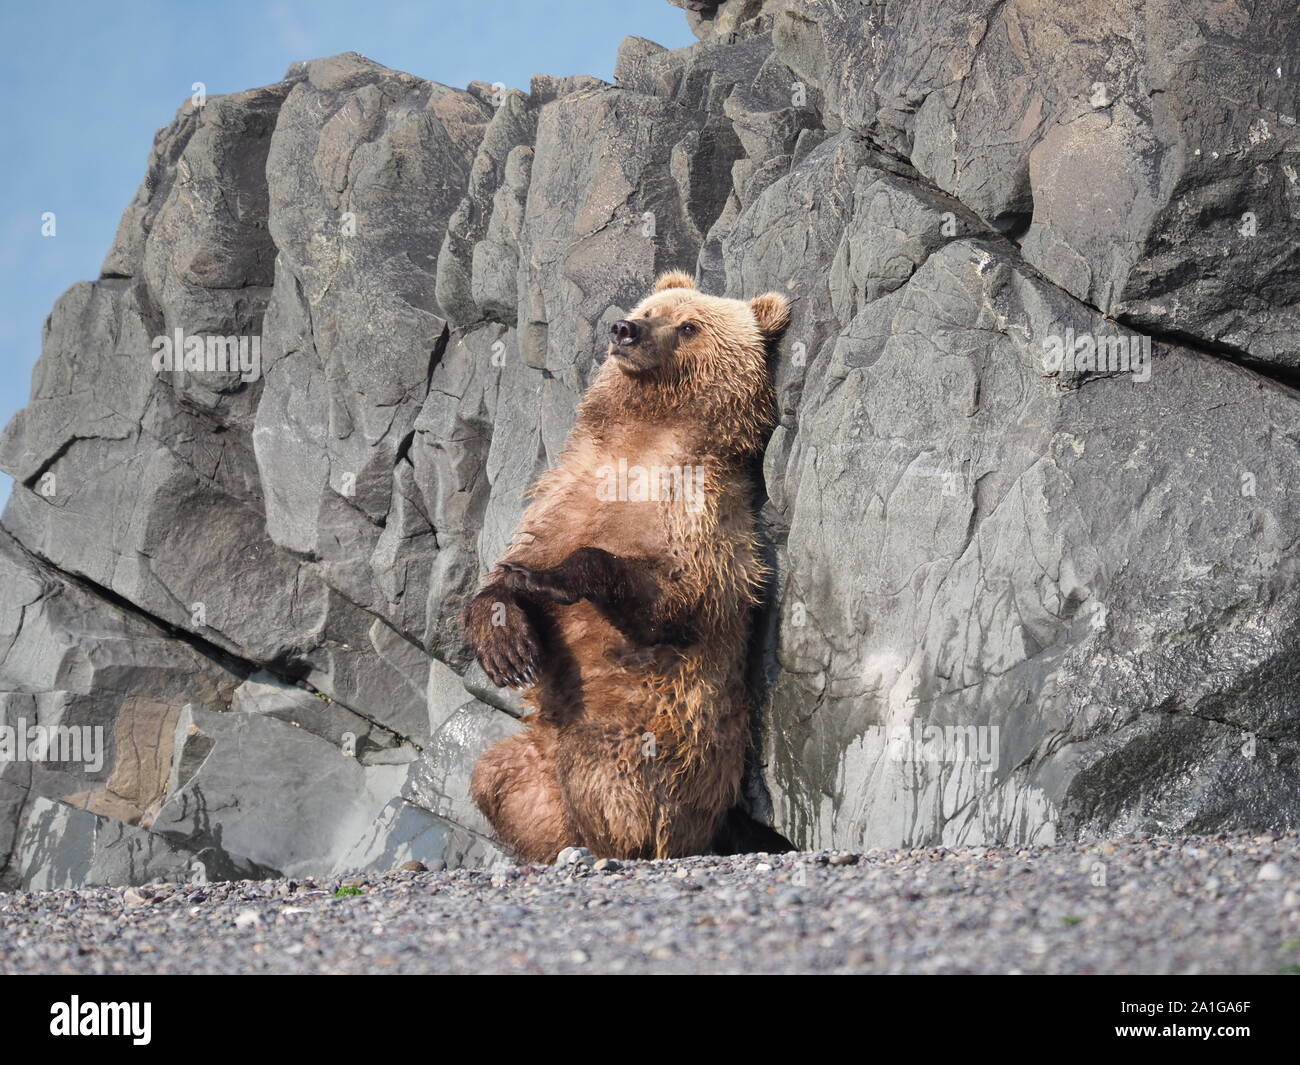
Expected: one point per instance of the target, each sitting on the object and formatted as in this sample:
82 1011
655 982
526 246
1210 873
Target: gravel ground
1222 904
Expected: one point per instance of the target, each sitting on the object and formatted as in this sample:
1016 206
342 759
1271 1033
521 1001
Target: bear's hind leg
514 784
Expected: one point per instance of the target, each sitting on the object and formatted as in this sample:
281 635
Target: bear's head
694 362
677 334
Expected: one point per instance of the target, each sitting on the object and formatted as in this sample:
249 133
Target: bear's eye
688 328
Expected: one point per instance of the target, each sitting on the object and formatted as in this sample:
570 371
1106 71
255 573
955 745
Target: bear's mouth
631 359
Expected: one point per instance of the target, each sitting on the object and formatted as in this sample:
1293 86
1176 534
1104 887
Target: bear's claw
504 642
511 660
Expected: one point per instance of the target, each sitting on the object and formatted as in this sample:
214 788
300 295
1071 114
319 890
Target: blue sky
86 85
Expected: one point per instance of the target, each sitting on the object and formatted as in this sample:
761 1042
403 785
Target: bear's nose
624 332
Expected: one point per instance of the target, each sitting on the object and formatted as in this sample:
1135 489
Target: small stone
248 919
1270 871
412 867
575 856
133 897
607 865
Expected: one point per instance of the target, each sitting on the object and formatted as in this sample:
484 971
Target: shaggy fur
625 620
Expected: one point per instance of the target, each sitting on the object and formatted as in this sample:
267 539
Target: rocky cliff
1032 501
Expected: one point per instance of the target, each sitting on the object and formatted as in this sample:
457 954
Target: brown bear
622 607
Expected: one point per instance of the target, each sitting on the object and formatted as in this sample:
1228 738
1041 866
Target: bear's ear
674 279
772 312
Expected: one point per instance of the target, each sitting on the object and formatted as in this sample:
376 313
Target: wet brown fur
626 622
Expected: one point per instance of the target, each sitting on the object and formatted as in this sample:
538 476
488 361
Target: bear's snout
624 332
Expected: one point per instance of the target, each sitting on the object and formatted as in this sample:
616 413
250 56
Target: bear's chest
638 491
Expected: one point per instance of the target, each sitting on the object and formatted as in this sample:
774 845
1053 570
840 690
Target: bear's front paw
546 584
503 638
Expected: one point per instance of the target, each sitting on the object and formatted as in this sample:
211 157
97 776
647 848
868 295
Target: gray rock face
1018 596
1147 152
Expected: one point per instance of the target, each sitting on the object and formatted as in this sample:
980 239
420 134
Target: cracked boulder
277 799
52 845
365 169
90 694
1062 610
1145 152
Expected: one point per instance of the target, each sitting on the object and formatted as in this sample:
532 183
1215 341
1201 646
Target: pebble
1205 904
575 856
